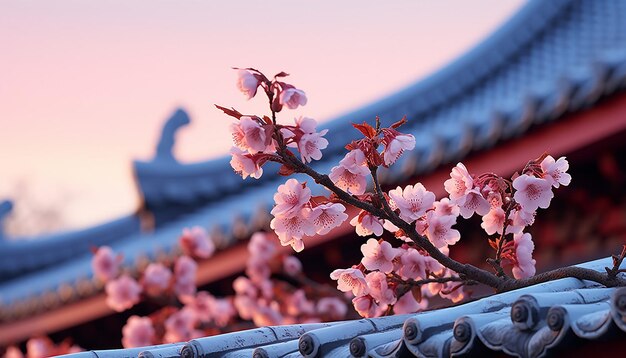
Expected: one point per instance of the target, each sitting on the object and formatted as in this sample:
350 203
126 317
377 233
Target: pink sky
85 85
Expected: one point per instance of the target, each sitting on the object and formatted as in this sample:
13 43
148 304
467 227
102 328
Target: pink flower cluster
259 299
433 219
508 207
296 215
256 139
124 291
42 347
387 276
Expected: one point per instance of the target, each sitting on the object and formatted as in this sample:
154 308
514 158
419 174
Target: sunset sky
85 86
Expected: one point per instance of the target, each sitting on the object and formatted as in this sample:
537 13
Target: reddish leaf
352 145
267 120
366 129
399 123
281 74
230 111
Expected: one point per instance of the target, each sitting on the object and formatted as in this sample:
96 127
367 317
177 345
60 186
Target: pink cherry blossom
297 304
453 291
408 304
156 278
201 305
309 141
248 135
245 306
310 146
138 332
222 310
332 307
292 98
290 230
525 265
185 270
413 201
446 207
389 226
532 193
459 184
518 220
179 327
493 222
365 306
353 183
261 246
556 171
267 316
440 231
355 162
396 144
378 256
122 293
247 83
14 352
351 173
257 269
350 280
473 202
367 224
413 265
306 124
39 347
105 264
244 165
379 289
196 242
244 287
433 266
327 216
290 198
292 266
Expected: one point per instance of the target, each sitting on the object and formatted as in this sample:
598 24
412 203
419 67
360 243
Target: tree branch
468 271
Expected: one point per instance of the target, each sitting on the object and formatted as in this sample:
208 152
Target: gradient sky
86 85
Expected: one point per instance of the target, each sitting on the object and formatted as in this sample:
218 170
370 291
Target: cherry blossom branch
564 272
378 189
436 280
466 271
525 193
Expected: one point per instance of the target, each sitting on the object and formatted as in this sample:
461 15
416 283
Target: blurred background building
551 79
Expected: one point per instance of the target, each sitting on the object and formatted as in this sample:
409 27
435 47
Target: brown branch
572 271
468 271
379 190
617 262
437 280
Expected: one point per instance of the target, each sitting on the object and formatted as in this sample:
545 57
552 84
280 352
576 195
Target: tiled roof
529 322
553 57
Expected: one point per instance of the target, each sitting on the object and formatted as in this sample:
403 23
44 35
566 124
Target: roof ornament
6 207
179 119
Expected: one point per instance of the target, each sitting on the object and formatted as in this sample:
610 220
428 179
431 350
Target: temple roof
529 322
552 58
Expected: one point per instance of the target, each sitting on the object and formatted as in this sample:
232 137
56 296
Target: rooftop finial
164 148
